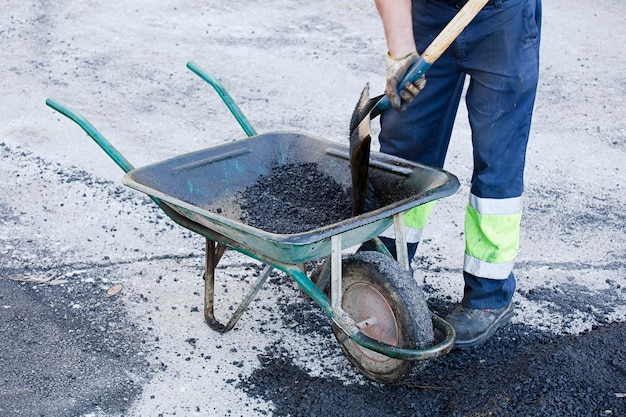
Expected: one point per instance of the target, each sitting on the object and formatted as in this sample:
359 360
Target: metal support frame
336 287
214 253
401 248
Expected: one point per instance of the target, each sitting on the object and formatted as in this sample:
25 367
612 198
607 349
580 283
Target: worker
498 53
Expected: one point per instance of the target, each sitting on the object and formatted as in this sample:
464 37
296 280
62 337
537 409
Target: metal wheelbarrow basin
203 186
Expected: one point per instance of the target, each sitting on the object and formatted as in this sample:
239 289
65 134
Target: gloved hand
396 70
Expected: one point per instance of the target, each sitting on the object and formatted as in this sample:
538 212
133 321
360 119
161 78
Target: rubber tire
379 275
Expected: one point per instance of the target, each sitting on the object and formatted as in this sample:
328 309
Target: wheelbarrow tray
204 186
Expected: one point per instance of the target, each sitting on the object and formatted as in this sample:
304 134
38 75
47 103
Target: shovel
367 109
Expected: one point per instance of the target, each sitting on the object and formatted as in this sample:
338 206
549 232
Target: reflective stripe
492 206
414 222
485 269
412 235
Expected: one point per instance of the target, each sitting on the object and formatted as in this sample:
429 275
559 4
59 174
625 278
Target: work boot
474 326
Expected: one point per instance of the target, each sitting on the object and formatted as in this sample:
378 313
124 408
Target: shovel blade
360 141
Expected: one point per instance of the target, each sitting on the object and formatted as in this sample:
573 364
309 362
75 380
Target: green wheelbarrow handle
225 96
106 146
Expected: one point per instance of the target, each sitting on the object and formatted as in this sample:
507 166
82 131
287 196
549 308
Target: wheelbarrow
377 311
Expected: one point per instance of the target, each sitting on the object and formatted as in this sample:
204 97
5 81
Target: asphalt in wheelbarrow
294 198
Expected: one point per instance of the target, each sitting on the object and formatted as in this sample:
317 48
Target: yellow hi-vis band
492 236
417 217
414 222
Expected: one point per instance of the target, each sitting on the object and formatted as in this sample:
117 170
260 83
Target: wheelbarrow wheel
387 305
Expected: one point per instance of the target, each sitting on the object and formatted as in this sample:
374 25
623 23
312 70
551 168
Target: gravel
519 372
294 198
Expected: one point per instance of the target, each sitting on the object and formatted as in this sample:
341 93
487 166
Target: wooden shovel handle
453 29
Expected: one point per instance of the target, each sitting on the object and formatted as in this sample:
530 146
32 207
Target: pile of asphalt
67 350
295 198
518 372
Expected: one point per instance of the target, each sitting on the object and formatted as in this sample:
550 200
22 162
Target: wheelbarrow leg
213 255
401 248
336 286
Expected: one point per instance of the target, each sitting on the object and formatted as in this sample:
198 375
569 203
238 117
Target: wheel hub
373 316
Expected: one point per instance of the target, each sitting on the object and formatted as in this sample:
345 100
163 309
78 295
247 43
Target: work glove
396 70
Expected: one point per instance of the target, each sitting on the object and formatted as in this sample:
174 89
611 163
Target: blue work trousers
499 51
